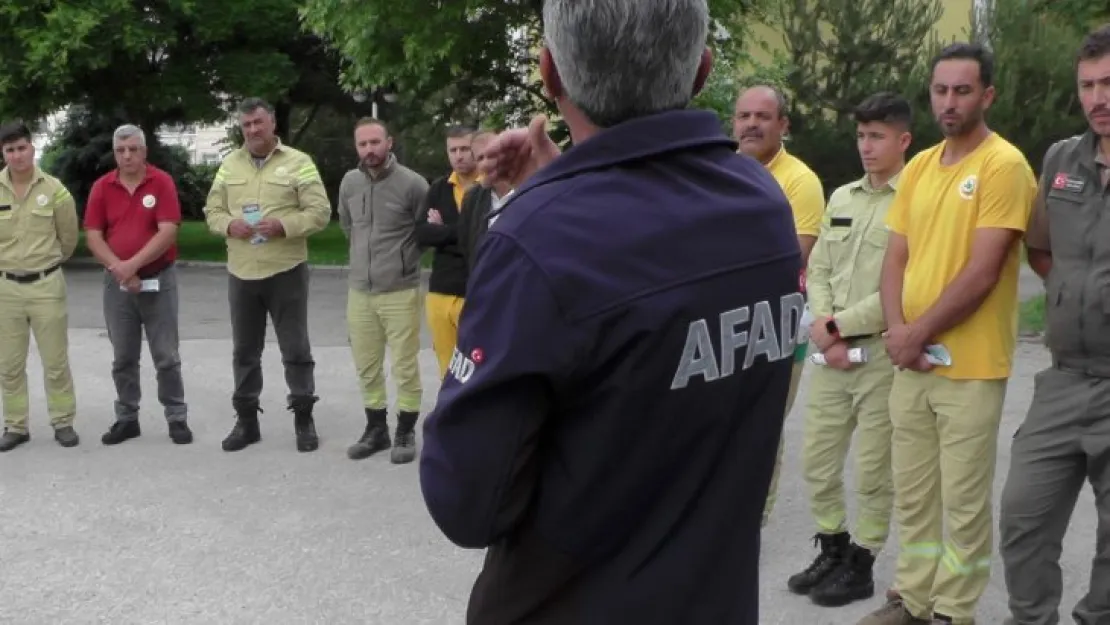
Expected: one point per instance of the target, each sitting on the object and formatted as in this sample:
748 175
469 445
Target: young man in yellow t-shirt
950 277
758 124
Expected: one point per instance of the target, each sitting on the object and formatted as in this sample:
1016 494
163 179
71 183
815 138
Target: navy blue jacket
610 421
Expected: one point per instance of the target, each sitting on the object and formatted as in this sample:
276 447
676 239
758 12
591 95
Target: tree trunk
283 111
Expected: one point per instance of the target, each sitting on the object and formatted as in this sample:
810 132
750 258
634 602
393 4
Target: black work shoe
374 438
10 440
66 436
305 428
834 549
180 433
851 581
404 440
246 432
121 431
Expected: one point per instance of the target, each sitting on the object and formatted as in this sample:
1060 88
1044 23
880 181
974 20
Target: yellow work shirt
287 187
459 187
842 280
40 230
938 208
802 188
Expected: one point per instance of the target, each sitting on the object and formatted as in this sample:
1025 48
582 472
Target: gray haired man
131 220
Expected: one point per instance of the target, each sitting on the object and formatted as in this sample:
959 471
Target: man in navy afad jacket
610 418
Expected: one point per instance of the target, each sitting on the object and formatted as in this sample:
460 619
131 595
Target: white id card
151 285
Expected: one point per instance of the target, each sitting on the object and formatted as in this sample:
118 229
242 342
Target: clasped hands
269 227
905 344
126 273
834 349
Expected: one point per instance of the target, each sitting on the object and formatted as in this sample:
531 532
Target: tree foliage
155 62
458 61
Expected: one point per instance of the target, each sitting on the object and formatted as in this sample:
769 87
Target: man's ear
552 84
704 67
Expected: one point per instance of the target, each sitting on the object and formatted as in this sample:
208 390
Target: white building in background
203 143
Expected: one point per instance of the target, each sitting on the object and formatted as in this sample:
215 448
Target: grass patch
195 243
1031 315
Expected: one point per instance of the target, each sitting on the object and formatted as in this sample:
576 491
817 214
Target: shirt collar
864 184
6 177
636 139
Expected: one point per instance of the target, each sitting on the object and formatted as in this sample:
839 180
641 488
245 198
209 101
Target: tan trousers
840 404
942 455
37 308
443 321
377 320
772 494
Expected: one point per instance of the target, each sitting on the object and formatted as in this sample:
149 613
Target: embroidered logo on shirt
149 201
281 171
1065 182
42 200
967 187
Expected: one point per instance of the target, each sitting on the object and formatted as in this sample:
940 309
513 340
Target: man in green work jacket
267 198
850 392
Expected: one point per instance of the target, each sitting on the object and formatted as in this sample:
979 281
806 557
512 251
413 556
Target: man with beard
1065 438
608 424
437 227
950 283
378 204
266 199
759 125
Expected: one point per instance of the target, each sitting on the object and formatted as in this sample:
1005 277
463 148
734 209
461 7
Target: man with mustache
1065 438
378 204
759 125
267 198
950 278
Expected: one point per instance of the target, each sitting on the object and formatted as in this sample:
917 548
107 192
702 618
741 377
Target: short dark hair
251 105
969 52
372 121
459 132
14 131
1095 45
884 107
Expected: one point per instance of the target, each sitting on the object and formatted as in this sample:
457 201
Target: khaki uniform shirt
287 186
842 279
38 231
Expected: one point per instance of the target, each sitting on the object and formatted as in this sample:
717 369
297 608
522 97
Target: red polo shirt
130 220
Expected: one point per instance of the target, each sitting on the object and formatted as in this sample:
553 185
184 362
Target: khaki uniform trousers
772 494
842 403
443 322
943 453
37 308
377 320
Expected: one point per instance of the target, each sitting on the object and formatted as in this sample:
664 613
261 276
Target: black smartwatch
831 327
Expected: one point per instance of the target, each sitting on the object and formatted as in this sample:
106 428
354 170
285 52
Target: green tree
1034 47
456 61
155 62
838 52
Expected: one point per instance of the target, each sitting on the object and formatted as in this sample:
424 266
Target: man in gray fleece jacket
378 203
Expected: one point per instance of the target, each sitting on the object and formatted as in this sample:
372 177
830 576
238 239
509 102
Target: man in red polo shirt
131 221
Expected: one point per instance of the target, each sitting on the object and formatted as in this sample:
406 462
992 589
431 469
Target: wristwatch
831 327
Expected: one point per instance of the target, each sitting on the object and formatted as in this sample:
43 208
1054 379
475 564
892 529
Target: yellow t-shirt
802 188
938 208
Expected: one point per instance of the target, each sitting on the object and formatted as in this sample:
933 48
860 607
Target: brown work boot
893 613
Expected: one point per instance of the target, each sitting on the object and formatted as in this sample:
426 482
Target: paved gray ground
152 533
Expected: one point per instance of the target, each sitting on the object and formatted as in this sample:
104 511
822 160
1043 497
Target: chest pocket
1073 217
876 236
278 192
235 190
838 240
39 218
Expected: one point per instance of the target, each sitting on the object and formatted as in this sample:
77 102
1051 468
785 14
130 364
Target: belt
862 337
28 278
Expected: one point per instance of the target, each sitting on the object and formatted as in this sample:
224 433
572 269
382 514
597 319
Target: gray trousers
1063 443
127 316
284 299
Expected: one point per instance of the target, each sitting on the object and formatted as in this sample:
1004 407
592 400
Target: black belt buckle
29 278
